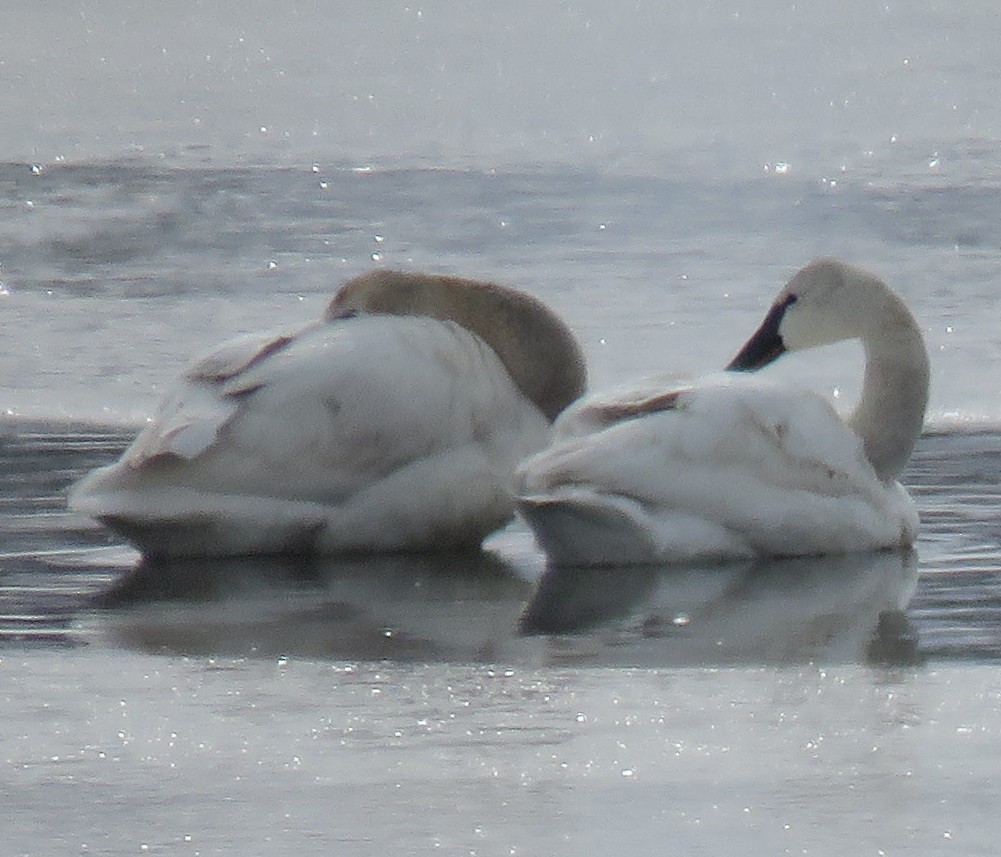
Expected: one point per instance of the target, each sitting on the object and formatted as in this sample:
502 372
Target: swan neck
536 347
891 410
538 350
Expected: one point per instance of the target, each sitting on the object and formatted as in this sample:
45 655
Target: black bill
765 344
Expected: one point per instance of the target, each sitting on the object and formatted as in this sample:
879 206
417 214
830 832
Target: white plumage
373 430
731 466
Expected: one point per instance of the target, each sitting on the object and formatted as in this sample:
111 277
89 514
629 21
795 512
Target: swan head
395 293
825 302
829 301
535 346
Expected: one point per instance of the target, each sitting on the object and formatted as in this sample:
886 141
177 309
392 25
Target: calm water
169 180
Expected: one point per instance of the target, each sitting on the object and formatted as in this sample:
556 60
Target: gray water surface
66 580
145 754
482 704
173 176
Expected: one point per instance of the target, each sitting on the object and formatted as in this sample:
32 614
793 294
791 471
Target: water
653 173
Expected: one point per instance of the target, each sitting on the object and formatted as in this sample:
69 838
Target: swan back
535 346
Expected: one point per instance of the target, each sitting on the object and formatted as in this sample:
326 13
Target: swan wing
724 467
403 424
334 408
189 420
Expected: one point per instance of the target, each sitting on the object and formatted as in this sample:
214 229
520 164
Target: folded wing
727 467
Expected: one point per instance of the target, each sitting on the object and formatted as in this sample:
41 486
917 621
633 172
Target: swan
394 423
734 467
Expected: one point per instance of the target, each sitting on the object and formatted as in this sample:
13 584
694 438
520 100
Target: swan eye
789 301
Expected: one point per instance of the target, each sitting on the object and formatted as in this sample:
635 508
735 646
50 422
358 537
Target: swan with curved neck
394 424
733 466
829 301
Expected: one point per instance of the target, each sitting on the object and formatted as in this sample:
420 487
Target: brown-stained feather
616 411
220 367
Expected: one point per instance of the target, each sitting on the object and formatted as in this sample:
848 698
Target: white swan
394 424
731 467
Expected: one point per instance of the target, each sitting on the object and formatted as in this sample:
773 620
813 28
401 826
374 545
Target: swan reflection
482 608
844 608
455 607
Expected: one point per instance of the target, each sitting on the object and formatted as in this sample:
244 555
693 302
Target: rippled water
176 176
484 705
66 581
118 273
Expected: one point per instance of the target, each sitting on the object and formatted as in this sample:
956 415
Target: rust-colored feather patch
235 358
615 411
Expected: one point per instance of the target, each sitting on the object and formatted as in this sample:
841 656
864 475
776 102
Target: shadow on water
477 608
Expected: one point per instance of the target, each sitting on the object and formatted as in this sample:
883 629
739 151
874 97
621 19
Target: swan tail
582 528
588 529
176 521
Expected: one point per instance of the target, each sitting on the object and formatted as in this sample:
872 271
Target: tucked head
825 302
536 347
395 293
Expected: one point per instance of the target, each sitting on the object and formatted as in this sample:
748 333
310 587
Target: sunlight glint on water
174 176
